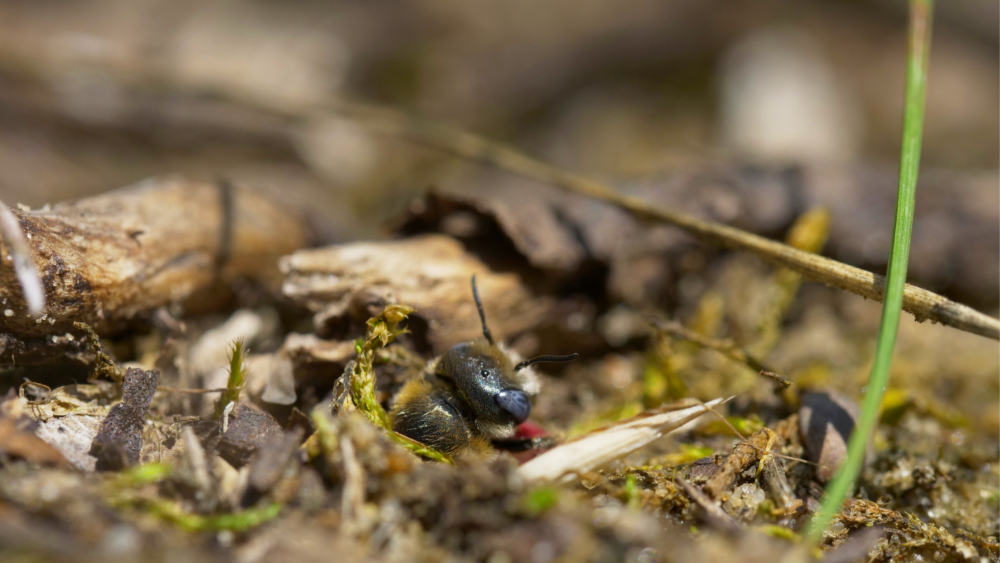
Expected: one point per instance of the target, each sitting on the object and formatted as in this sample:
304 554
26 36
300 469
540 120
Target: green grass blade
919 39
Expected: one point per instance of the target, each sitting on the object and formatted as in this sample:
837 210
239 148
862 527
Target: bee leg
518 445
422 412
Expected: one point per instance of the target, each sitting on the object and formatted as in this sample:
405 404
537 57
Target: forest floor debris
202 462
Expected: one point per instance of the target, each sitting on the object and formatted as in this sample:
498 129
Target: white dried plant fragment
600 447
72 435
24 263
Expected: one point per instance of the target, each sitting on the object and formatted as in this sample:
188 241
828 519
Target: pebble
826 420
245 429
703 469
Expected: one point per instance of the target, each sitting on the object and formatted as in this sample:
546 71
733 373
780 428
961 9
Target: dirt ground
226 340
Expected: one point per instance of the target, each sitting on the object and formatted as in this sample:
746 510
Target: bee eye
485 373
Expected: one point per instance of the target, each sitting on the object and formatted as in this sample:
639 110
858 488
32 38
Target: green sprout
237 376
540 500
241 521
382 330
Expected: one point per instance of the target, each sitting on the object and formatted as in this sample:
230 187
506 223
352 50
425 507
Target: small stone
311 493
269 463
703 469
246 430
826 420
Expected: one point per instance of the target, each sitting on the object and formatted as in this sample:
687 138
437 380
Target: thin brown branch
770 374
726 347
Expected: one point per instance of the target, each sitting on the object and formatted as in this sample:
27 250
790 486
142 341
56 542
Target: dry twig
726 347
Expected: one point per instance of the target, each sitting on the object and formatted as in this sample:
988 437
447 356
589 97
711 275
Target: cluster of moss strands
381 331
241 521
103 364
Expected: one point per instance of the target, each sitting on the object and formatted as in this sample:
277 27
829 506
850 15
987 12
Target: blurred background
98 94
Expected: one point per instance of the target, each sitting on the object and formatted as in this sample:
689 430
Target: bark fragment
244 431
110 259
119 439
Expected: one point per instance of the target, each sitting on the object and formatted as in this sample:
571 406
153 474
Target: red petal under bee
528 430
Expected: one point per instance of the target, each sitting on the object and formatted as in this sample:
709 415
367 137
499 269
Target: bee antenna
482 314
546 359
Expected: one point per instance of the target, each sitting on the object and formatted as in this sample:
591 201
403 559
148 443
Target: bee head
486 377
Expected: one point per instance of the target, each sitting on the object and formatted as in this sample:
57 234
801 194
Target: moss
237 377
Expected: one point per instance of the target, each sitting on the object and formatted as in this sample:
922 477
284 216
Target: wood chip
119 439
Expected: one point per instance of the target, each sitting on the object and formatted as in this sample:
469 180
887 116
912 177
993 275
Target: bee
471 398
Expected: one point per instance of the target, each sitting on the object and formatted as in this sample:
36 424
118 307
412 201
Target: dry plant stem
923 304
604 445
777 378
113 258
727 347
